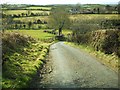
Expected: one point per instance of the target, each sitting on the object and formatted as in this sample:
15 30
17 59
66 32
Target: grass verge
22 57
110 60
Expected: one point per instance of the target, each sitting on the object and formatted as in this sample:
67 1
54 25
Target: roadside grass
22 57
23 66
110 60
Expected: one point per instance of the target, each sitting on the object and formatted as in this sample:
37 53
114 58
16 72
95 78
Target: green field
94 16
74 17
15 11
47 8
66 31
8 12
37 34
38 11
26 19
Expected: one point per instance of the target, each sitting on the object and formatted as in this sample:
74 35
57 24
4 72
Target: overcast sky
46 2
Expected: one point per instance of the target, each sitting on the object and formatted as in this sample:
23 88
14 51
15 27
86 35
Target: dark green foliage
18 24
111 24
24 26
98 10
79 38
39 21
106 41
60 38
29 24
111 43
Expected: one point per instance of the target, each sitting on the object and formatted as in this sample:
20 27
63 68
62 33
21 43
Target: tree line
17 24
89 9
24 15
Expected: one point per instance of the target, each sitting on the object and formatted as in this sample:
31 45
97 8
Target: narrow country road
69 67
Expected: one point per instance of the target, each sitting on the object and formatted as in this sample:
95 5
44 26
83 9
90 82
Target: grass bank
110 60
22 57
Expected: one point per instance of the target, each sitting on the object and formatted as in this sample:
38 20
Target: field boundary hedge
107 41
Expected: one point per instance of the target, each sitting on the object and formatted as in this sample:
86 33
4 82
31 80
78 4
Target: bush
106 41
12 42
111 42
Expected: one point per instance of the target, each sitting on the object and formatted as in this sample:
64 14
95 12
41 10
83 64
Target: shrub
106 41
12 42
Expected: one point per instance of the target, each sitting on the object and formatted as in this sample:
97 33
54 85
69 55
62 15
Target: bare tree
59 19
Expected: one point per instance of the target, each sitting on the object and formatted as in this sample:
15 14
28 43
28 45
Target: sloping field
26 19
94 16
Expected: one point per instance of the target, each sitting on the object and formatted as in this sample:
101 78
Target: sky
47 2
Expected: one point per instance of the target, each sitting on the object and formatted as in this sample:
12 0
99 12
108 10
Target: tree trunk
60 31
60 28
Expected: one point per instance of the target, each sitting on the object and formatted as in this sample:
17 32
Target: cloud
44 2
